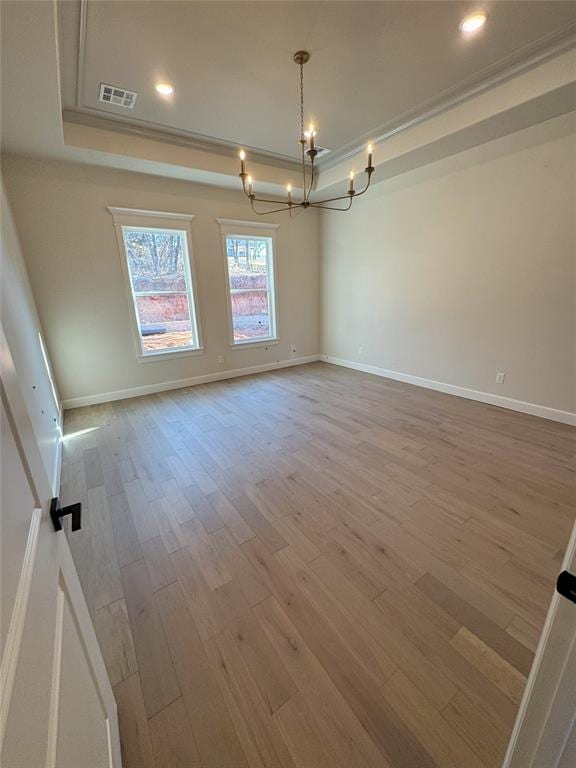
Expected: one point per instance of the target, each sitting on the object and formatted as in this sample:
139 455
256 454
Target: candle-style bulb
369 155
242 158
351 188
289 190
242 155
311 134
250 187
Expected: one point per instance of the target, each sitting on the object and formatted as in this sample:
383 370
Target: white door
57 709
545 732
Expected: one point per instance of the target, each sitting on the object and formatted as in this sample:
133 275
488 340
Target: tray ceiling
374 65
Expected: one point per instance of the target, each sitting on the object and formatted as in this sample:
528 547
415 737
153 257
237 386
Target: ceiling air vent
120 97
322 151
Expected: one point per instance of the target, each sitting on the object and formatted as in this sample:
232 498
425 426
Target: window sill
156 357
251 344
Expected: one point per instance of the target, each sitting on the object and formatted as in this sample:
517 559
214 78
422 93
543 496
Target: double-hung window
249 252
156 254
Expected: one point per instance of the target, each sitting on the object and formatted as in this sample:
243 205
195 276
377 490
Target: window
157 264
249 255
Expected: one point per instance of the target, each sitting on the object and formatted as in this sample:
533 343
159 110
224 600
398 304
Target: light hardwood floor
317 568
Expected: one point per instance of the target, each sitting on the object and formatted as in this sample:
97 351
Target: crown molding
93 119
524 59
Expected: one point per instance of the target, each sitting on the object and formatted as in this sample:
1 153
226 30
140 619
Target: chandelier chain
301 100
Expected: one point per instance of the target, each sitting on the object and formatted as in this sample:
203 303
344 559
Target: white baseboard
543 411
149 389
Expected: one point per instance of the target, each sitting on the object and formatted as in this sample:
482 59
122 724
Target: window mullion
248 290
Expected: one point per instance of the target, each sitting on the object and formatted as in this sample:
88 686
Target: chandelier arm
343 197
332 207
274 202
266 213
275 210
333 199
357 194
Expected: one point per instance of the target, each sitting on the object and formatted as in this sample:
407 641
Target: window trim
253 229
130 218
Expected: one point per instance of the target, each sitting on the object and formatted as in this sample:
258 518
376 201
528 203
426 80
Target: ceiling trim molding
94 119
524 59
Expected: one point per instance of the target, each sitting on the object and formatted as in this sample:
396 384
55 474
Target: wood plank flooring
317 568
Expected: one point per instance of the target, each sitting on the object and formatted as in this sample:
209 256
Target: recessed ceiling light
164 89
474 22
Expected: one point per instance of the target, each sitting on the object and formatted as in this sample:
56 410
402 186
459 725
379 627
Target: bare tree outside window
157 263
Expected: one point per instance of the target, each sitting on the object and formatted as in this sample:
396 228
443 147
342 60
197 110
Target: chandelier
308 152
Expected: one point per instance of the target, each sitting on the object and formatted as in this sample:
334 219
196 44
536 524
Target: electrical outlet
220 358
500 376
360 350
292 349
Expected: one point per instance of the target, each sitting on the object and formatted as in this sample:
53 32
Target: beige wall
69 242
451 272
463 268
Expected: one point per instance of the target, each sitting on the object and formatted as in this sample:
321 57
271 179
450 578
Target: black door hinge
57 512
566 585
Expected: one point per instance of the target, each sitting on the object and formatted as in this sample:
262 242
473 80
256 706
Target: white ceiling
373 66
40 47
